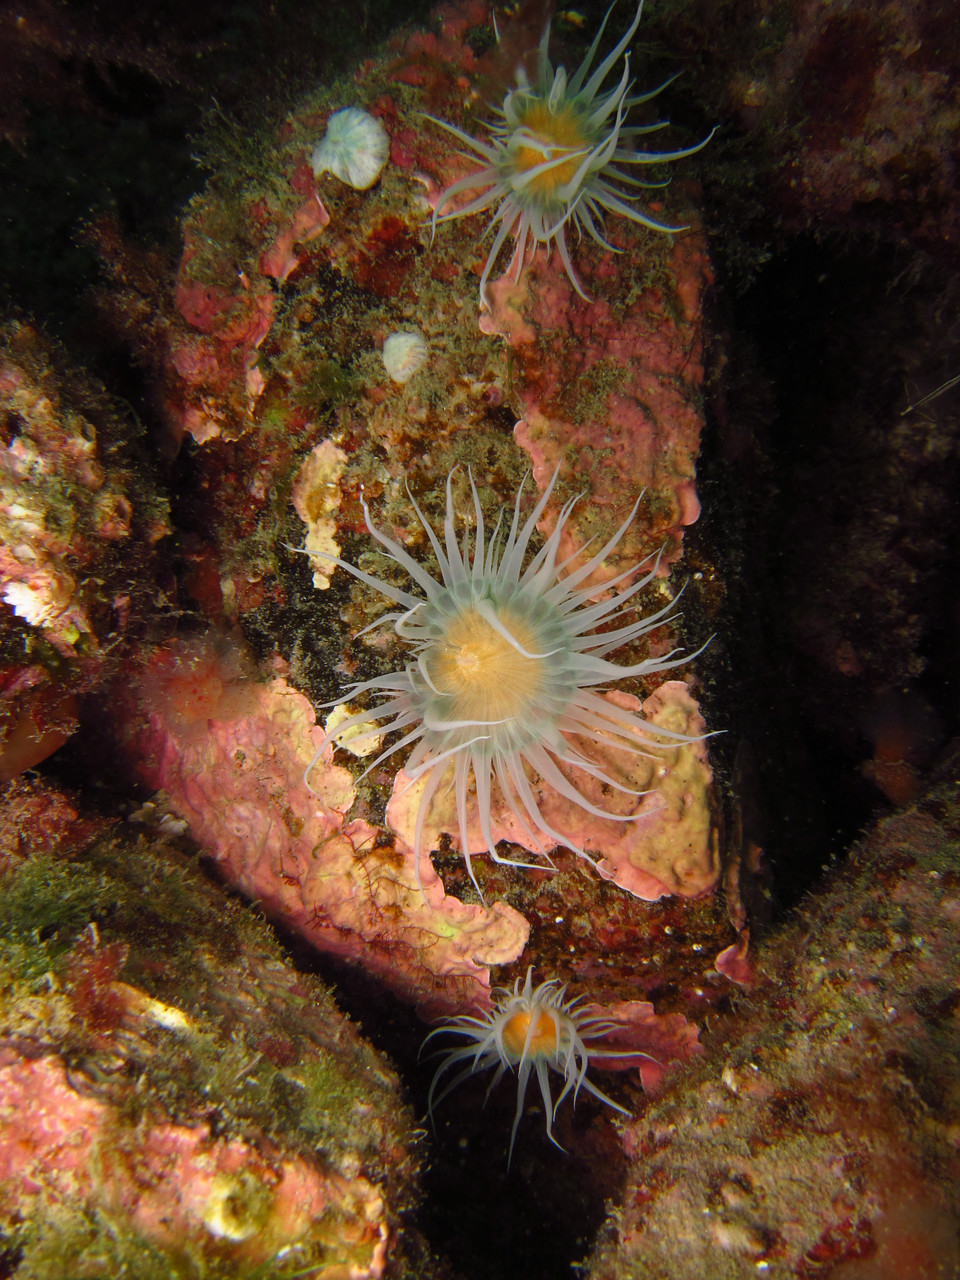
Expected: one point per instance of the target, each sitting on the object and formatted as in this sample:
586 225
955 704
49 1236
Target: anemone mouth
546 150
485 666
532 1032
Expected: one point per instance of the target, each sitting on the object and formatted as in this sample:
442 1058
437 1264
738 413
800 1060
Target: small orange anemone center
488 678
544 1040
550 135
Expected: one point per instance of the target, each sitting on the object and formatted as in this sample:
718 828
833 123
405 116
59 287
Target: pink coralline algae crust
817 1135
230 756
214 359
668 1038
733 961
280 259
176 1184
426 56
670 849
611 388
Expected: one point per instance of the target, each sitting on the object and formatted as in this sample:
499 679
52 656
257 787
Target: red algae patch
611 388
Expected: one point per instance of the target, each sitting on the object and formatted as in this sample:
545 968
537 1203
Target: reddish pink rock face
641 369
231 754
607 389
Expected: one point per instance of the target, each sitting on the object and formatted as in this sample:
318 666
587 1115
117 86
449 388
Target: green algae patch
44 905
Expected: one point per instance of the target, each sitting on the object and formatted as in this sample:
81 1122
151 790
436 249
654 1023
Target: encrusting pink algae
233 768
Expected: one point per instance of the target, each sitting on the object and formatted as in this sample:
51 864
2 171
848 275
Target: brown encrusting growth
818 1136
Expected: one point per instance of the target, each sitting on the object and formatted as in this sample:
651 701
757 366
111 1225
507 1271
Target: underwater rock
78 524
229 752
871 95
609 390
849 116
818 1134
286 294
170 1087
228 748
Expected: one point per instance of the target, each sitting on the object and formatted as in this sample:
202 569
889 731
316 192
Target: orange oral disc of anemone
544 1041
555 134
486 676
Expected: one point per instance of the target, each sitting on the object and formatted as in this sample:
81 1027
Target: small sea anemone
551 159
354 148
533 1029
403 354
506 664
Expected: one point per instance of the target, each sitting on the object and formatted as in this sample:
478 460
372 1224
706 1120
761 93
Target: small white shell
354 148
403 354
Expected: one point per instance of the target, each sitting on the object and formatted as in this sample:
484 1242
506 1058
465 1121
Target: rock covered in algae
174 1097
288 287
78 524
228 748
818 1135
880 148
849 115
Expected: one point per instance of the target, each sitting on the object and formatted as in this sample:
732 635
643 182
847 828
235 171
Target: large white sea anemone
533 1029
506 664
553 155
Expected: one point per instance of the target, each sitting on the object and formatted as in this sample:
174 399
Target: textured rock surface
174 1097
78 524
286 291
229 752
818 1135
